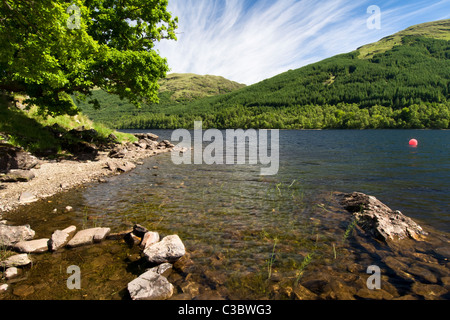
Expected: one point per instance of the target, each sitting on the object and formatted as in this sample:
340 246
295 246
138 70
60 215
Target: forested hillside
406 86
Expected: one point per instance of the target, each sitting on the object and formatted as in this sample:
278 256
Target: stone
118 152
163 269
423 274
139 230
150 286
132 239
170 249
428 291
11 273
18 176
61 237
149 239
111 166
378 219
150 136
126 166
10 235
27 197
101 234
18 260
32 246
23 290
12 158
301 293
88 237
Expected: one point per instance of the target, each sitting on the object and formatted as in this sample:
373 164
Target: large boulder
150 286
170 249
380 220
10 235
12 158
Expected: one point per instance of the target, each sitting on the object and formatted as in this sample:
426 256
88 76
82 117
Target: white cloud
248 41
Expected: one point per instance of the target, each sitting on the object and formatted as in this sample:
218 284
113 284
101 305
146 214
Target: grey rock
380 220
15 158
32 246
10 235
18 176
18 260
149 239
11 273
139 230
27 197
61 237
163 269
125 167
150 286
118 152
170 249
88 236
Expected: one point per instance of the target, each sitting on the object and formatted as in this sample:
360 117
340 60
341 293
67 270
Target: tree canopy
54 49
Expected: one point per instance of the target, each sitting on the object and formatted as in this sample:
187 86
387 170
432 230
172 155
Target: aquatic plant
349 229
271 260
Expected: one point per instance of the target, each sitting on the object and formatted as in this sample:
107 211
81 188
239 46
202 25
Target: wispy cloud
248 41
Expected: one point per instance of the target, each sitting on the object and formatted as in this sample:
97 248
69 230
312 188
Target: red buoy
413 143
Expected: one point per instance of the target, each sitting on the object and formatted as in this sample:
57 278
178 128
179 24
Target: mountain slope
435 30
174 89
402 81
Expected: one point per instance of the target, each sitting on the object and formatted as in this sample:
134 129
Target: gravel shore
52 177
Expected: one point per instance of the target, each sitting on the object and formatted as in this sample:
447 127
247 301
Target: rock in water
89 236
32 246
18 260
150 286
380 220
170 249
61 237
10 235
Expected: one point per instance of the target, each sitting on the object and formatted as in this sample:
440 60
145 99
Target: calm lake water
238 226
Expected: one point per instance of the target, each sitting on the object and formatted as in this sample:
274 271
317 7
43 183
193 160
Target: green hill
402 81
176 89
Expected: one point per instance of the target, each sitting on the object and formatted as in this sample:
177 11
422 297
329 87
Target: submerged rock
380 220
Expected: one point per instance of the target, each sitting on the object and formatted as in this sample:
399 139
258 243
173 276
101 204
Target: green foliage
406 87
112 49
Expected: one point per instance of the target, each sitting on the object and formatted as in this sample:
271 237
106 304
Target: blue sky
251 40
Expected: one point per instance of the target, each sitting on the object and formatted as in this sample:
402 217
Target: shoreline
56 176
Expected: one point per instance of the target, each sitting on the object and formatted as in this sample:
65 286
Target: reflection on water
239 227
